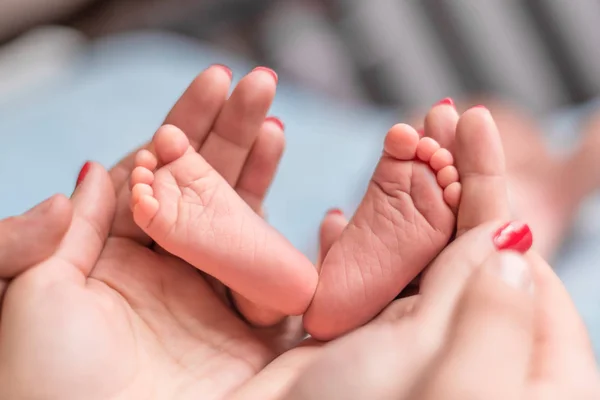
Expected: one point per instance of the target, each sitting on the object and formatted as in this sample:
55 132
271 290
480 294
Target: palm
143 322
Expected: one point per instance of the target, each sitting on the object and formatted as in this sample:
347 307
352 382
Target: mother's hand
105 314
476 330
488 324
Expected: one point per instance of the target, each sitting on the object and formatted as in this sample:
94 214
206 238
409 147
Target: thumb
491 340
30 238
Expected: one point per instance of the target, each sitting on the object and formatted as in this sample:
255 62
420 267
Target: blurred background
406 53
92 79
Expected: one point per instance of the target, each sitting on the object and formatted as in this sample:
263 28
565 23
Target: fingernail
335 211
447 102
421 132
513 269
270 71
513 236
276 121
83 172
225 68
480 106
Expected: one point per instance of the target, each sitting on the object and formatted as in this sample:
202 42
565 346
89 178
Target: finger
93 212
331 229
197 110
194 113
445 279
561 334
491 340
259 170
239 123
30 238
480 163
440 123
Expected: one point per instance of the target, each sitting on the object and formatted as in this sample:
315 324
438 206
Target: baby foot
189 209
405 219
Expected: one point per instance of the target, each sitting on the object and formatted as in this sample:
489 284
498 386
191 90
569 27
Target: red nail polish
480 106
421 132
513 236
276 121
270 71
84 170
335 211
447 102
225 68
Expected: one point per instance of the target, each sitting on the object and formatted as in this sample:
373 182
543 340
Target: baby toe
440 159
170 143
426 148
447 175
401 142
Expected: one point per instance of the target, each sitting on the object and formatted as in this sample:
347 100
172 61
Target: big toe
480 162
169 143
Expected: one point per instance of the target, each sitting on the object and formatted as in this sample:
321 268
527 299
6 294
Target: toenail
335 211
83 172
276 121
446 102
225 68
513 236
270 71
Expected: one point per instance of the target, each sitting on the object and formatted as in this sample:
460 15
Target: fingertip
276 121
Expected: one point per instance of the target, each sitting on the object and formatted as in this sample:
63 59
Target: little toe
170 143
452 195
145 210
447 175
441 159
426 148
141 175
401 142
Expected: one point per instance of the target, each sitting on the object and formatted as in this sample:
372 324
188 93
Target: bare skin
405 219
545 188
183 202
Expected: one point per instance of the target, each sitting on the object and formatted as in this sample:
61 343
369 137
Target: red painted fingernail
513 236
335 211
270 71
277 121
225 68
83 172
447 102
421 132
480 106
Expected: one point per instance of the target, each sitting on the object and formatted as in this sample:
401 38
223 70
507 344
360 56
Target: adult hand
107 314
32 237
486 324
